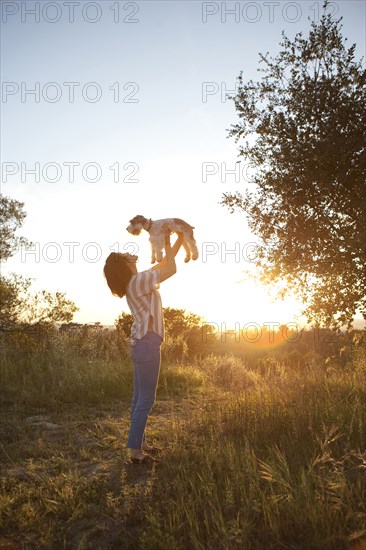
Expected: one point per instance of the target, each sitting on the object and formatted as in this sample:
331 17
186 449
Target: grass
267 457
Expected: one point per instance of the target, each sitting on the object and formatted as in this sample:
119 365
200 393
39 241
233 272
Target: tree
124 324
18 306
177 323
12 217
12 291
183 331
302 128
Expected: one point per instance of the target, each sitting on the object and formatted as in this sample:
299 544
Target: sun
226 301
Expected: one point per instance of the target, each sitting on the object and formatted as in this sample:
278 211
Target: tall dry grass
262 454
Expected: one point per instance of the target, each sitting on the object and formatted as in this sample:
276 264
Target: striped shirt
144 301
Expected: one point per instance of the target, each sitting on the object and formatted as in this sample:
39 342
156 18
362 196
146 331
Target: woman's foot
147 459
136 454
139 457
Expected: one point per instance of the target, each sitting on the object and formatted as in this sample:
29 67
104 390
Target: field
260 451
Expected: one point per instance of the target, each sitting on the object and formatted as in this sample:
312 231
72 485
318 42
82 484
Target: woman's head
118 271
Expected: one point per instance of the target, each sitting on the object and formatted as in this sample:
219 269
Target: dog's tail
183 223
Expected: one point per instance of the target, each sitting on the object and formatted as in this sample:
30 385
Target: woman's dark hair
117 274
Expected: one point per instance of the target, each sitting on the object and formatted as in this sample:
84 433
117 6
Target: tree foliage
124 324
19 306
12 217
177 322
182 332
302 128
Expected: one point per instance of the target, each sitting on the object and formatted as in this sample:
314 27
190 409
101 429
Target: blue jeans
146 365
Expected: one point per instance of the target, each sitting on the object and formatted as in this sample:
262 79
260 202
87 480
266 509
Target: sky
113 109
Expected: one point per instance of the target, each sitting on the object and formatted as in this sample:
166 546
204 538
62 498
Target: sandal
145 460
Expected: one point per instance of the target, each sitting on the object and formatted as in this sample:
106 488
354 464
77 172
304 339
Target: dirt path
66 475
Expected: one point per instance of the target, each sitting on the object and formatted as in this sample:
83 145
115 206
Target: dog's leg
159 241
191 244
187 249
194 250
153 250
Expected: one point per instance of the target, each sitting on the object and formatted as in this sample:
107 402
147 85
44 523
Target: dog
158 229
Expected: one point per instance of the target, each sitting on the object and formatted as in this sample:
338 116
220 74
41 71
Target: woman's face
131 260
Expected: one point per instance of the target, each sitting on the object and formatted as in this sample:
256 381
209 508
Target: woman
147 333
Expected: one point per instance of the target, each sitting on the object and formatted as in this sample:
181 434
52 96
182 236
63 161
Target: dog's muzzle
133 231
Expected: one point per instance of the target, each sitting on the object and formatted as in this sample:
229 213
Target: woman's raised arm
167 265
